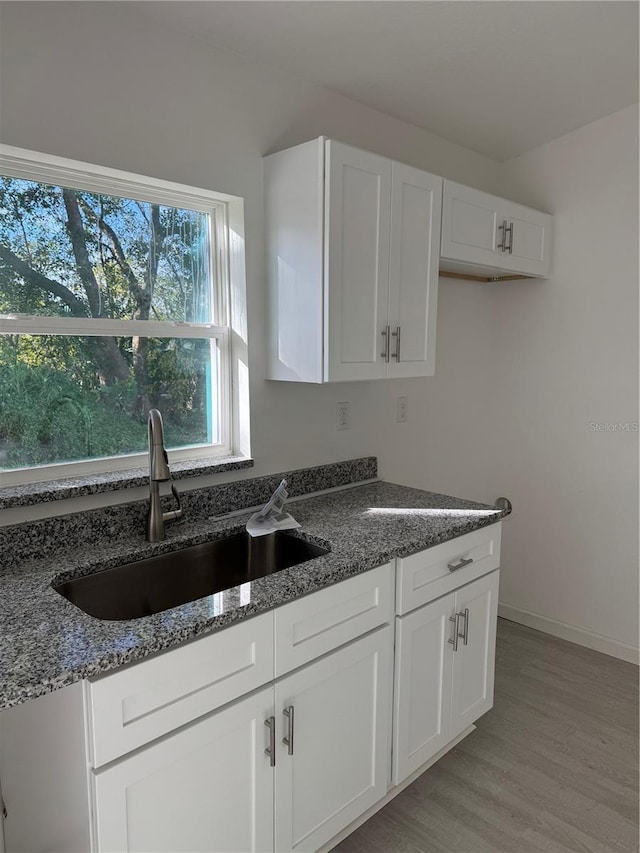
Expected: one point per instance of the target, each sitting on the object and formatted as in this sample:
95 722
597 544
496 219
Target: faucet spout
159 472
158 460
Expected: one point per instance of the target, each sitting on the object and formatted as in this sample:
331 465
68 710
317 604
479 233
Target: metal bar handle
288 740
454 640
385 335
503 228
510 231
453 567
271 749
465 634
396 335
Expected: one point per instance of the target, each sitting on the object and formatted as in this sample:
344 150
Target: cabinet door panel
530 240
339 766
413 269
470 220
424 659
473 663
209 787
357 221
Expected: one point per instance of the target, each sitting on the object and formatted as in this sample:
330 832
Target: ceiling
497 77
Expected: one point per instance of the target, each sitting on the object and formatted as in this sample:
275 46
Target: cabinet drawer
148 699
424 576
318 623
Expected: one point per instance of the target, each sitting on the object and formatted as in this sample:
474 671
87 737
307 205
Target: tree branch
41 282
75 229
155 247
142 296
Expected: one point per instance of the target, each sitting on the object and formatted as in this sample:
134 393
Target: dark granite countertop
47 643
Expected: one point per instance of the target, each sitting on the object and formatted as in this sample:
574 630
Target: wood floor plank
553 767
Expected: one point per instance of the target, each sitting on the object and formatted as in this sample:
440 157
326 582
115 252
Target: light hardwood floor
553 767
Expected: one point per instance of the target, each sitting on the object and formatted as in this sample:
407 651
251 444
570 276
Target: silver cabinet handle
271 749
509 230
288 740
503 246
385 335
454 641
465 634
453 567
396 335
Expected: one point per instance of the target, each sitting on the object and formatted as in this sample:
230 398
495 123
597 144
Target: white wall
92 82
565 357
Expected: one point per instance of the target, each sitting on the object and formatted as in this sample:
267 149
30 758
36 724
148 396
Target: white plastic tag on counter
261 526
272 516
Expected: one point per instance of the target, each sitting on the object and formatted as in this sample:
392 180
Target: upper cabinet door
357 222
528 240
416 199
470 221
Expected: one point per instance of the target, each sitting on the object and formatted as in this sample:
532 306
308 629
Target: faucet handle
174 514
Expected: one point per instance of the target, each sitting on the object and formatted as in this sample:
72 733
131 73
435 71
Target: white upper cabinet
352 244
491 238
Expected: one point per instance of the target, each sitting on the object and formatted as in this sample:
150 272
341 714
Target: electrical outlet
343 411
402 409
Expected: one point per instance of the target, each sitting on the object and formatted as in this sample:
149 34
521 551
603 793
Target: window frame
226 270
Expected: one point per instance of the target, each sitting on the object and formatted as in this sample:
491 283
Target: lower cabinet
273 734
208 787
320 761
445 655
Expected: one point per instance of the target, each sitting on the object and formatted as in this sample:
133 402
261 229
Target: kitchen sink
149 586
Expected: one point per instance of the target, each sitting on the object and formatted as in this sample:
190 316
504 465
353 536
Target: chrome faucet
158 473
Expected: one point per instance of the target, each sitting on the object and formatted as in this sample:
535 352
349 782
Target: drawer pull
288 740
271 749
454 640
455 566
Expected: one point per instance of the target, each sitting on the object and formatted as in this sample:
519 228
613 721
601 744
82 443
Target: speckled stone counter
46 642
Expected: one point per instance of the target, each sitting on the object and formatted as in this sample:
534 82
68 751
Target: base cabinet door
424 660
208 787
333 758
474 660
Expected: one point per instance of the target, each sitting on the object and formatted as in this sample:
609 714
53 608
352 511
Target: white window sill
29 494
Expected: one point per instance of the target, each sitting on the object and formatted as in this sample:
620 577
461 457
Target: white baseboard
581 636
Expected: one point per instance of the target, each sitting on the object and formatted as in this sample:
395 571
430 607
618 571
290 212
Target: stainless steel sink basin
168 580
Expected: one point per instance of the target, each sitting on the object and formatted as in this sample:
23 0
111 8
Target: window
113 300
